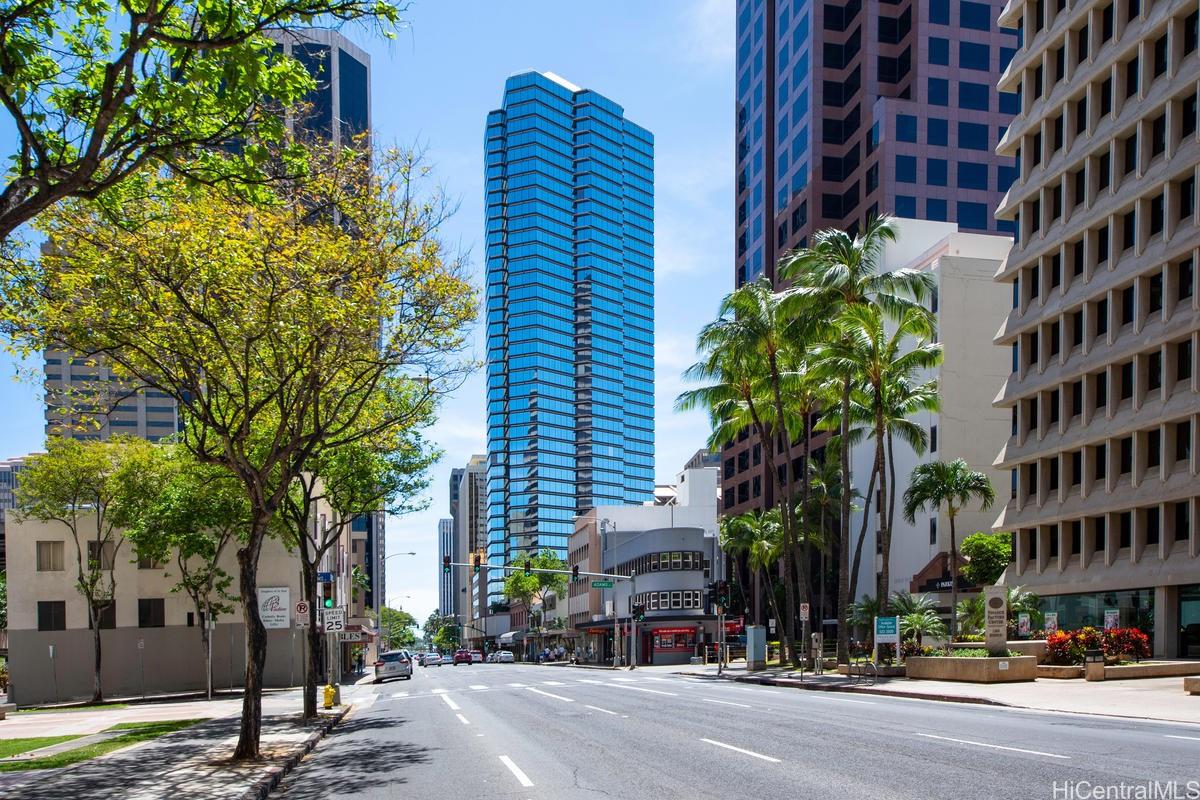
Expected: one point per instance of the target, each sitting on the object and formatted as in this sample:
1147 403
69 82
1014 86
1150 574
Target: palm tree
745 353
903 603
736 537
954 485
840 271
887 365
825 481
918 624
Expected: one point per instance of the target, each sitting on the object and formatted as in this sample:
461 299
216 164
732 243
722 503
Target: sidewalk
192 763
1145 698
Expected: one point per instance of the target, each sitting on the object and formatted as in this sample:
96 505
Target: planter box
1152 669
973 670
1026 647
1191 685
1059 671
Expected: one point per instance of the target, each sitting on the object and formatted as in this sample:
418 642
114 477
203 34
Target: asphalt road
517 731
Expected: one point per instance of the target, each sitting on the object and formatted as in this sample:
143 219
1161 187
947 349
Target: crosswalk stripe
477 686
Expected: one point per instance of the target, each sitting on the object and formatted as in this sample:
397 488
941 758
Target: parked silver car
395 664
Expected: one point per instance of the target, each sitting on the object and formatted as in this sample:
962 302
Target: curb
812 687
276 772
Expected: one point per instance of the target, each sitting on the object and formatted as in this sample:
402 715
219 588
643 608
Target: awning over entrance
511 636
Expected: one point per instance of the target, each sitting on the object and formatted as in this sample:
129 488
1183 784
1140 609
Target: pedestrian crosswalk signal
446 564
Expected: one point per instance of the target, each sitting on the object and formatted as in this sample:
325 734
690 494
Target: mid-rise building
447 593
967 305
10 479
670 551
1104 320
849 110
470 536
570 321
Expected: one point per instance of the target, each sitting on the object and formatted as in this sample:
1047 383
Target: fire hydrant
330 693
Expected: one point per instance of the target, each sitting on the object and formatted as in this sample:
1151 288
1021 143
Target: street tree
396 628
193 519
987 555
275 327
97 90
953 485
90 488
534 587
351 480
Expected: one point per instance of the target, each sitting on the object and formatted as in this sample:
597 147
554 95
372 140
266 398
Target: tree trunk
805 554
843 648
97 690
891 461
953 583
862 534
885 532
774 604
256 641
206 641
312 665
824 569
787 509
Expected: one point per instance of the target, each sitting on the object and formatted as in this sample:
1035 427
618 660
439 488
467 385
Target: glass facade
1189 621
1135 607
570 314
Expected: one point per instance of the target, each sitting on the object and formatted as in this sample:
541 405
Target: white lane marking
517 685
724 702
553 683
1189 738
744 752
641 689
760 691
603 710
817 696
585 680
439 691
453 705
477 686
555 696
462 719
625 680
400 694
993 746
516 771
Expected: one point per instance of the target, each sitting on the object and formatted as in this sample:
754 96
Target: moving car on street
476 657
395 664
504 657
433 660
462 657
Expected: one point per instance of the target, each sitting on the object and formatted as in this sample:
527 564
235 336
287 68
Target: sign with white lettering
887 630
351 636
995 618
274 602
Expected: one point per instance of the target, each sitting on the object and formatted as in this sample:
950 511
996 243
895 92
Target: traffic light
527 566
575 572
327 595
723 593
446 564
475 562
639 612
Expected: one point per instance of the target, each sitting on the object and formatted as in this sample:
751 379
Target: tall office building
470 534
849 110
1105 324
83 399
447 589
570 310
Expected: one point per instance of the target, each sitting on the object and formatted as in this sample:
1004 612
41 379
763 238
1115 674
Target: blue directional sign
324 577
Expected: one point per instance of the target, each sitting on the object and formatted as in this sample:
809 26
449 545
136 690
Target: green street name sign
601 584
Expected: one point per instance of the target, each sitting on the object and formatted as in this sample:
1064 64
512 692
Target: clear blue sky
669 63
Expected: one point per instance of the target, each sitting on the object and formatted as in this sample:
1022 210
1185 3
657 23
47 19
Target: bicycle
863 671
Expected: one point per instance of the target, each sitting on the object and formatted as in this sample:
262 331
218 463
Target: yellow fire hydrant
330 692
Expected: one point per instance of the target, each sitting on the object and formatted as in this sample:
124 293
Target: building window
973 215
973 96
933 530
906 206
52 615
148 562
101 553
939 92
933 442
937 131
108 618
972 176
976 16
935 171
906 169
49 556
939 51
972 136
939 12
151 612
935 209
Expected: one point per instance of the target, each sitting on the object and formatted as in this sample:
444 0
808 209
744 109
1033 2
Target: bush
1069 647
911 648
987 554
970 652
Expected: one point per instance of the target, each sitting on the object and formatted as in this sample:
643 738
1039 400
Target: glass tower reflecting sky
570 313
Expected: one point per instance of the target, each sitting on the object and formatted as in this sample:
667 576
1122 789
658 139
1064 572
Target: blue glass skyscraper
570 313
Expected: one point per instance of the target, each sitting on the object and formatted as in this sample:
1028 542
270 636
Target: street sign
324 577
302 623
273 602
141 644
334 620
602 584
804 609
301 608
351 636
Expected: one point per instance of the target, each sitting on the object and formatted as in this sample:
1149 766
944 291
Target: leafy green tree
433 624
197 514
396 628
277 329
954 485
758 535
446 639
98 90
919 624
904 603
987 555
534 587
837 272
92 489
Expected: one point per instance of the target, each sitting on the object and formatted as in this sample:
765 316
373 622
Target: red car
462 657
